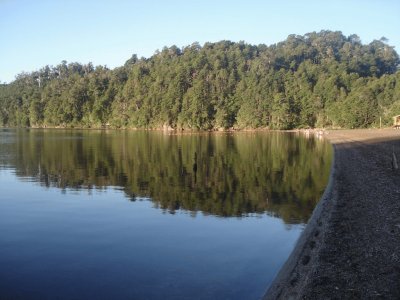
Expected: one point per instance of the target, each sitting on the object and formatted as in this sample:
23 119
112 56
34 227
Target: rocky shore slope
350 248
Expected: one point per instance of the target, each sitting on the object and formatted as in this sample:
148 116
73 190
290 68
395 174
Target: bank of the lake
350 247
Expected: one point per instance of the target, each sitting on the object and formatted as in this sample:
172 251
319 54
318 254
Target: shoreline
308 132
349 248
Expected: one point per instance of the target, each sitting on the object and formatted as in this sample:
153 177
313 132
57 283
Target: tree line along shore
322 79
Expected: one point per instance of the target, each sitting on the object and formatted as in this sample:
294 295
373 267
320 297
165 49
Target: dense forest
322 79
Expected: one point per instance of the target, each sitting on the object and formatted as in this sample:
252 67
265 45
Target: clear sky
36 33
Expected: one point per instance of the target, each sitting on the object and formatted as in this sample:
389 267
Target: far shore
350 247
167 129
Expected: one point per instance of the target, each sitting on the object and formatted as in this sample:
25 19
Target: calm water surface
147 215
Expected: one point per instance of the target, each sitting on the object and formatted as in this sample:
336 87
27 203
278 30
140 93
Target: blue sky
38 33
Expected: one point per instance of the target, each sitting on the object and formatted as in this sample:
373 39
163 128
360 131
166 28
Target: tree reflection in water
224 174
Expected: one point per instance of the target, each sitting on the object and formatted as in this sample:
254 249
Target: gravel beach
350 248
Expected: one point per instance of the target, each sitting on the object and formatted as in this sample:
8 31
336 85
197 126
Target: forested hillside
320 79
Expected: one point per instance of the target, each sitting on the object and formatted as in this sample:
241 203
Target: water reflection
225 174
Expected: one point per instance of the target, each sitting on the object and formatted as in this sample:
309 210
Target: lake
91 214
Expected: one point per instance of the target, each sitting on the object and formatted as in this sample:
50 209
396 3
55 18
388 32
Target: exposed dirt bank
350 248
